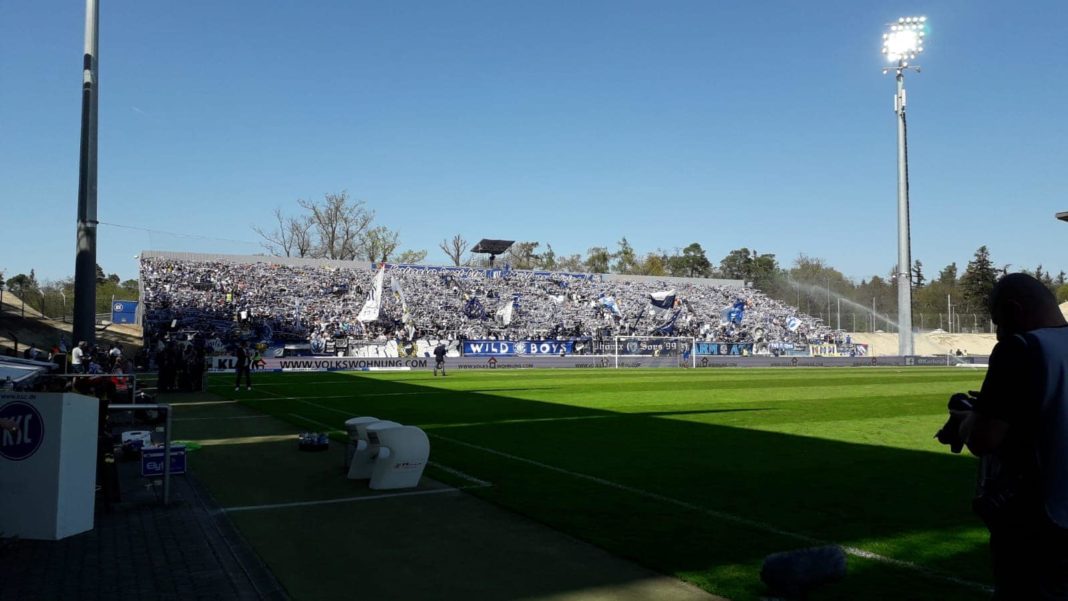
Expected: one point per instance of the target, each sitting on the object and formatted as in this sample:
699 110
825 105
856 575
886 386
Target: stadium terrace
278 301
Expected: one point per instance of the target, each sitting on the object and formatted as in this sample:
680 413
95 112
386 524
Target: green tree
411 257
917 274
737 265
571 263
948 275
978 281
379 244
597 259
626 260
23 285
692 263
1062 293
521 255
547 260
654 263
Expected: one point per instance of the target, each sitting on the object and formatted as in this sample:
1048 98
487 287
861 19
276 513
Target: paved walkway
427 546
140 549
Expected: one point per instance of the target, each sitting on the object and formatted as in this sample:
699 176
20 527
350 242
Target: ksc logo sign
28 435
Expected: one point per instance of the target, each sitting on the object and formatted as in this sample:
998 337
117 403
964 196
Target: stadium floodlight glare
902 43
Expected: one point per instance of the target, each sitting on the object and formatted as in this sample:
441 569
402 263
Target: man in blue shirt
1019 427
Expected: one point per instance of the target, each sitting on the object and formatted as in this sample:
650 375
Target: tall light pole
901 44
85 257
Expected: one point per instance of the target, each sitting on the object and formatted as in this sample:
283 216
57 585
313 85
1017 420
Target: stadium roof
493 247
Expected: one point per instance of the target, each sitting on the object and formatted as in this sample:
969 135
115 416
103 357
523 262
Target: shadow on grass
656 490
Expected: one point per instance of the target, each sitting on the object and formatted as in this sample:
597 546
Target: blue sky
759 124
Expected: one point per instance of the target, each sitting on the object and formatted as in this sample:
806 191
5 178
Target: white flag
504 314
398 292
373 305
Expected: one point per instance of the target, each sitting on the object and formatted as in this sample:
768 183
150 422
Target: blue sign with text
723 348
123 311
152 461
513 348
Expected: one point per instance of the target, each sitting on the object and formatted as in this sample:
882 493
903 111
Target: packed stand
222 302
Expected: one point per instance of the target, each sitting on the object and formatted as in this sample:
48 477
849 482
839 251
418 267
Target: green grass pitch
699 473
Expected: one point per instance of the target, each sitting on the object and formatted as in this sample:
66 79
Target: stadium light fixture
903 42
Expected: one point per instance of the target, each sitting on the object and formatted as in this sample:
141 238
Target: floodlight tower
901 44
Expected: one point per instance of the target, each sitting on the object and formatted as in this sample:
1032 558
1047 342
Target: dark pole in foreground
85 260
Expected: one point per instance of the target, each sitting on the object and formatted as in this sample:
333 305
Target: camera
960 404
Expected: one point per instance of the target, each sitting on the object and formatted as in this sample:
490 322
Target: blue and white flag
792 323
611 305
668 327
665 299
474 310
736 313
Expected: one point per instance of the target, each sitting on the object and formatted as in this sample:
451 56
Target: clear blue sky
759 124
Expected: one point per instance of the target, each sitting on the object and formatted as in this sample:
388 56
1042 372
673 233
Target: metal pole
839 313
167 459
949 311
904 261
85 259
828 301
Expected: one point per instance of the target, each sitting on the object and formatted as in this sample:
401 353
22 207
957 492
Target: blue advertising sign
724 348
152 461
29 431
512 348
124 311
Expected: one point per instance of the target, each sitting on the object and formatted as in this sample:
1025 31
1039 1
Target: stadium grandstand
279 300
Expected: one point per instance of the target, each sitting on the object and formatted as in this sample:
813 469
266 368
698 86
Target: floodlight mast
903 42
85 257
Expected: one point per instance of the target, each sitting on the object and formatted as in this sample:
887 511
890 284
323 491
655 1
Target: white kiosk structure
402 455
365 449
48 464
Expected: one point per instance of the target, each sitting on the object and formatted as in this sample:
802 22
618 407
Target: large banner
513 348
724 348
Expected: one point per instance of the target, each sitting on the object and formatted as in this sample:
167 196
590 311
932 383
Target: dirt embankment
929 344
45 333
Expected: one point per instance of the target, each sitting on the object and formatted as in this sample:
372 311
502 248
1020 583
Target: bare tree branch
454 249
340 225
278 241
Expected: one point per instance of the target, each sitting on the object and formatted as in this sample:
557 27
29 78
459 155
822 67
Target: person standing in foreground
439 359
242 366
77 358
1019 427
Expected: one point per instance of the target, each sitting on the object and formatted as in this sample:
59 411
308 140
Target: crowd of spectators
225 301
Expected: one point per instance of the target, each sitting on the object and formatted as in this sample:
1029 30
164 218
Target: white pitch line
344 500
312 421
194 419
456 472
857 552
201 403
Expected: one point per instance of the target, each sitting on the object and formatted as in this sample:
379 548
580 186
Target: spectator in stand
222 300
